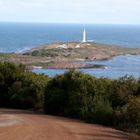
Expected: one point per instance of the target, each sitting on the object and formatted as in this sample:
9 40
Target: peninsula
66 55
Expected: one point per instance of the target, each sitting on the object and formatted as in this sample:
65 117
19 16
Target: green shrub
121 89
100 111
73 94
128 116
96 100
19 88
9 73
71 89
29 91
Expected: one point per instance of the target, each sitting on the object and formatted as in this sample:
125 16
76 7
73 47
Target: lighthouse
84 36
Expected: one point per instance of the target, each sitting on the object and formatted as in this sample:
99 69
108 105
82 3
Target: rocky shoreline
68 55
73 65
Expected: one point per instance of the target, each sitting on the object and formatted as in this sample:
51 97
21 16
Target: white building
84 36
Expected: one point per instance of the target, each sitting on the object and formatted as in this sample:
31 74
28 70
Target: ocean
18 37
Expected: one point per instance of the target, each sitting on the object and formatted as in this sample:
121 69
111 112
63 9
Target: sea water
18 37
114 68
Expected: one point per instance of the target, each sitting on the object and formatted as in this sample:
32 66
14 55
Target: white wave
108 67
23 50
90 40
37 67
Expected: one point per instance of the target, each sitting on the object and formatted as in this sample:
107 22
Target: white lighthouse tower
84 36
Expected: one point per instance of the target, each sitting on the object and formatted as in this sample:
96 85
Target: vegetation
20 89
73 94
67 54
103 101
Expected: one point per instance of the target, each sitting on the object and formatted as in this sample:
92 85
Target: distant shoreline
63 55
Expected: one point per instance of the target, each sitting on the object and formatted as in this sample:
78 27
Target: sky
71 11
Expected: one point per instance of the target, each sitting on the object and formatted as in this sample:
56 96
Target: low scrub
19 88
97 100
73 94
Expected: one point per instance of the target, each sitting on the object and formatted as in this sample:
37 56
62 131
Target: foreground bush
128 116
96 100
78 95
20 89
100 111
29 91
67 94
9 73
73 94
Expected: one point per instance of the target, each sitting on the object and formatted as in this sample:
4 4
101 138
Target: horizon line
37 22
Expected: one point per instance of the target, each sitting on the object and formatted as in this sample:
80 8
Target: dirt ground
26 125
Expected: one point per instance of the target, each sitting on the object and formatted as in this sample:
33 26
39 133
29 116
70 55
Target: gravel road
26 125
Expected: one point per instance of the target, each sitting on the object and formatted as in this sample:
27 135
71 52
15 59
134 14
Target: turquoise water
17 37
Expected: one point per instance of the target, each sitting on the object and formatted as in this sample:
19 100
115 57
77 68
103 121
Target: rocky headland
66 55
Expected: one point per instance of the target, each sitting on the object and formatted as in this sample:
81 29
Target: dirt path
25 125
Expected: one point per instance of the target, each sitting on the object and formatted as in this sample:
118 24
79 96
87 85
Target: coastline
68 55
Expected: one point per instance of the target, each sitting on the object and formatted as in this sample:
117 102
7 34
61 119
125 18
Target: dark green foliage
8 74
73 94
100 112
70 90
128 116
122 89
138 91
20 89
96 100
78 95
29 91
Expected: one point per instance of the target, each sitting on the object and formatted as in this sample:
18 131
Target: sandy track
25 125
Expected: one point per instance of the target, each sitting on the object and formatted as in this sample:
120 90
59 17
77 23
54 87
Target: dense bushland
73 94
97 100
20 89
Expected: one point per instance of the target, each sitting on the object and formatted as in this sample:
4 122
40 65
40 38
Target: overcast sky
71 11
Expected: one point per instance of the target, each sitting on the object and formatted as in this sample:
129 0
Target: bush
100 111
19 88
73 94
121 89
9 73
29 91
71 89
96 100
128 116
